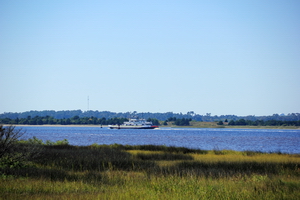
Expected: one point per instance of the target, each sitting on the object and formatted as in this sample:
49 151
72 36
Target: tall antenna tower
88 103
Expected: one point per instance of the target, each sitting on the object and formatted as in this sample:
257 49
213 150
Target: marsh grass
151 172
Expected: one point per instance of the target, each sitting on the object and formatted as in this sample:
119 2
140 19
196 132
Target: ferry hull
133 127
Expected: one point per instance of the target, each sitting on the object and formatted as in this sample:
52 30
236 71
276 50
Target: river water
265 140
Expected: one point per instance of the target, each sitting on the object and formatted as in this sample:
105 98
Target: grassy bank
193 124
196 124
151 172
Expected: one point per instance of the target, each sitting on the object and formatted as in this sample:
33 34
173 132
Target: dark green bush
164 156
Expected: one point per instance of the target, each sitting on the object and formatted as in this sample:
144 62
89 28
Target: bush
220 123
12 152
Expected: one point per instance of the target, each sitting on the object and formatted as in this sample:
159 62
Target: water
265 140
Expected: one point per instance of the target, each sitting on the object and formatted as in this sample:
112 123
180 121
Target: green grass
151 172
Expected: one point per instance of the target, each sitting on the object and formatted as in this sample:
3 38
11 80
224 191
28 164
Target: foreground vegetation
62 171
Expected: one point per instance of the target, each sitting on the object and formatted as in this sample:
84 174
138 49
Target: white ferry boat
134 124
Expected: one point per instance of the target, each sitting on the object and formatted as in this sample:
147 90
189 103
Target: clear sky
207 56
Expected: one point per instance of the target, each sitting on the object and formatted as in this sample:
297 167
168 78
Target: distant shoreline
106 126
56 125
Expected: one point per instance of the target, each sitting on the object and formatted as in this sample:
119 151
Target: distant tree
68 121
51 121
190 113
75 117
154 121
242 122
172 119
183 122
220 123
231 123
39 121
103 121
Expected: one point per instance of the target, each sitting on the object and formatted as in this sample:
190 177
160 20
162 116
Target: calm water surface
265 140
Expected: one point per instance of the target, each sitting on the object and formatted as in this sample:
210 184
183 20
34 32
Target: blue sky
218 57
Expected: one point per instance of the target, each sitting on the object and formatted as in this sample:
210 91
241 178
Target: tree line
76 120
208 117
273 122
178 122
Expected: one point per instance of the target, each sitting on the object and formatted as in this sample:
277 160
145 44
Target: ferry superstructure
134 124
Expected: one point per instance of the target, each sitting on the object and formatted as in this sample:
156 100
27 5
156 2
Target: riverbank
196 124
193 125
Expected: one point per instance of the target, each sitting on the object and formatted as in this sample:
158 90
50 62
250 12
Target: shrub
12 152
163 156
